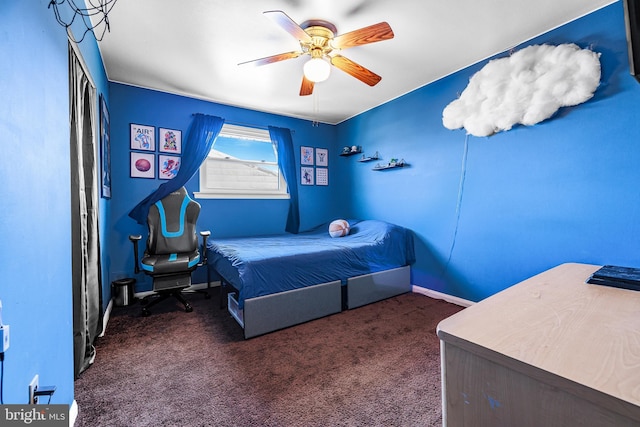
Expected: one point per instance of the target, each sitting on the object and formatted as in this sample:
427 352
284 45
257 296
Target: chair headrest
179 192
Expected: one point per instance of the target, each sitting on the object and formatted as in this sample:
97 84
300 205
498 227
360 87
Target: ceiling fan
317 39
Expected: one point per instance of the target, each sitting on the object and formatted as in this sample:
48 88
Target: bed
282 280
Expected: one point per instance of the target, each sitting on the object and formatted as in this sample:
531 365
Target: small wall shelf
350 151
363 159
391 165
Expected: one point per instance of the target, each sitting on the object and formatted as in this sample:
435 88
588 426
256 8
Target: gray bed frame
269 313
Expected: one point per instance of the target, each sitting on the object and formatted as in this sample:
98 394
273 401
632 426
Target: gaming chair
172 252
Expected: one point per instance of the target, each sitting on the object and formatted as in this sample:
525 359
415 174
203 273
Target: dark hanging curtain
202 133
281 137
85 264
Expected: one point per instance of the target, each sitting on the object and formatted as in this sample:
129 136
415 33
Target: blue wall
533 197
224 218
36 221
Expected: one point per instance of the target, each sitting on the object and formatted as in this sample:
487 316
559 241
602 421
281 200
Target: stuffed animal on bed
338 228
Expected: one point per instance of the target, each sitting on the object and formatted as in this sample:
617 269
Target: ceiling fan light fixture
317 70
317 39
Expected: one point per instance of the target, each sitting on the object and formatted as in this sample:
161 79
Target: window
242 164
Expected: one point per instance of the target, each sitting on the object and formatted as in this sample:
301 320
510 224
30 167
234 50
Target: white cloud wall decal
525 88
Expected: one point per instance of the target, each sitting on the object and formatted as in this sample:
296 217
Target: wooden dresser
549 351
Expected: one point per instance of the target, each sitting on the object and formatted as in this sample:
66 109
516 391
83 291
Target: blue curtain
201 135
287 162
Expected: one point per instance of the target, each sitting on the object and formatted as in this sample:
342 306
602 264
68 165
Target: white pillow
339 228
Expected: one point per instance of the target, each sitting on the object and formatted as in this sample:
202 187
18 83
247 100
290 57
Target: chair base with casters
163 295
172 252
171 285
204 292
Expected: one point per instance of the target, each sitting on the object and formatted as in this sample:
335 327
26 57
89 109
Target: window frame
240 132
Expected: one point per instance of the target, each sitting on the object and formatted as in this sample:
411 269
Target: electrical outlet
33 386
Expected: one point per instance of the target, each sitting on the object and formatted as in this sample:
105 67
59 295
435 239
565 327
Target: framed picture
143 137
322 176
306 156
143 165
105 150
306 176
170 141
322 157
168 166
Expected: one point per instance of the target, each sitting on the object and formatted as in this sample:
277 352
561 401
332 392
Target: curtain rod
248 125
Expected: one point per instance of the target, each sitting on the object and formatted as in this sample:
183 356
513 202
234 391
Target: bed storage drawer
272 312
362 290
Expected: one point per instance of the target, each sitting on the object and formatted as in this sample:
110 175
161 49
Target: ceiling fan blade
307 87
371 34
356 70
288 24
272 59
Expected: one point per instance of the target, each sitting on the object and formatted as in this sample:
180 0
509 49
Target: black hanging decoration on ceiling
99 12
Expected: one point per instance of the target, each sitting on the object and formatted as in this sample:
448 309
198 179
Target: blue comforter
258 266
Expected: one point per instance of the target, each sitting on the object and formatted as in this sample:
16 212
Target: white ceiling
193 47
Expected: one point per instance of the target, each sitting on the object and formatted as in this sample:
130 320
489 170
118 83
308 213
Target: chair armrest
135 238
205 235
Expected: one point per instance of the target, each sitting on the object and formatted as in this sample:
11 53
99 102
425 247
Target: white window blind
243 163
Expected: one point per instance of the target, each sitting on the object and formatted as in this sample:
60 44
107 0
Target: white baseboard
73 413
105 318
439 295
